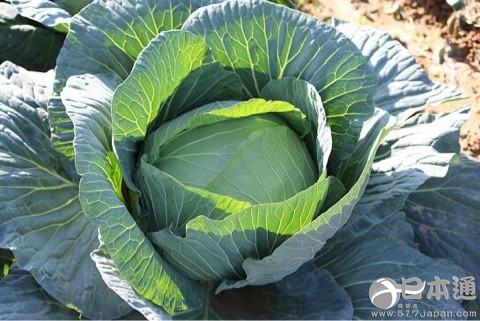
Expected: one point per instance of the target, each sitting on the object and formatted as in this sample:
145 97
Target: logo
384 293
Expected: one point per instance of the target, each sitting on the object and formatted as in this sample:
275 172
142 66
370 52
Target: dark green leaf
387 251
309 294
23 299
41 219
421 148
403 86
445 213
26 43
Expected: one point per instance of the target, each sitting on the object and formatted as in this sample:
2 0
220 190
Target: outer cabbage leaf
310 293
261 41
41 219
412 153
387 251
46 12
23 299
445 213
88 99
96 44
25 43
54 14
33 87
404 87
112 278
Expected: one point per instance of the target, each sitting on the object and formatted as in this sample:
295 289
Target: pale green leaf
305 97
221 111
160 188
302 246
253 232
173 204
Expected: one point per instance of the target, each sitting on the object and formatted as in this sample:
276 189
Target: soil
446 43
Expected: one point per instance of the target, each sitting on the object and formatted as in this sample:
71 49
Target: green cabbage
223 159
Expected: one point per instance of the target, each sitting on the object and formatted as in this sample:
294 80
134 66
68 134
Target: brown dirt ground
445 43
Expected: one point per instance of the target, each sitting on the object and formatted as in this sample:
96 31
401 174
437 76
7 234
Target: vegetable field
235 159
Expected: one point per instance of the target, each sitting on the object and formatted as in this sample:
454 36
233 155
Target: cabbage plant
32 31
227 159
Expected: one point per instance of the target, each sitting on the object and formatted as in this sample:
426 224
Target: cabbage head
230 159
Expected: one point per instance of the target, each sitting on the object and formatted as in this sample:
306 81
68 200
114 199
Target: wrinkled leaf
41 219
403 86
387 251
422 147
111 276
445 213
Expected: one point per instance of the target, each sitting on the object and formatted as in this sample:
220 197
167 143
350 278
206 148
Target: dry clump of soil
445 43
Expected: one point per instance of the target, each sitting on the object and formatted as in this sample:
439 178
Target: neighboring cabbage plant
223 159
32 31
